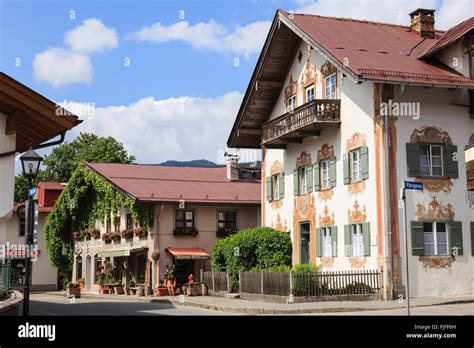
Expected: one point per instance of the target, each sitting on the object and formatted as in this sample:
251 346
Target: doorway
304 242
183 269
88 273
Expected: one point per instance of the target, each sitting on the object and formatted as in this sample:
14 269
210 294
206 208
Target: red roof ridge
225 180
365 21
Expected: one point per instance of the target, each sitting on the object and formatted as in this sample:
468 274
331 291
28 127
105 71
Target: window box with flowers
181 231
107 237
77 236
115 236
95 233
225 231
140 232
127 234
86 234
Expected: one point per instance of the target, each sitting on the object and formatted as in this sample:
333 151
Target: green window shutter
472 238
417 238
450 165
366 237
268 188
282 185
347 240
455 237
413 159
332 171
317 177
364 162
319 242
296 183
345 162
334 240
309 178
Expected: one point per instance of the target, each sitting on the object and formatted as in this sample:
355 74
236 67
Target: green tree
63 160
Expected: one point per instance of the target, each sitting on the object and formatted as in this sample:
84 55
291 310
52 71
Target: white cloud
91 36
182 128
59 67
453 12
246 40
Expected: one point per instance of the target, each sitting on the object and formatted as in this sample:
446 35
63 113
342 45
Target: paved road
58 305
453 309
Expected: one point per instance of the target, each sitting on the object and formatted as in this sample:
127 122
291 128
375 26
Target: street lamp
30 163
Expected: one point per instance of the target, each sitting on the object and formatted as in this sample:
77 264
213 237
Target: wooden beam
291 140
275 146
269 83
249 131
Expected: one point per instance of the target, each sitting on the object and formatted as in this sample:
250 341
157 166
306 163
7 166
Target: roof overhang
31 117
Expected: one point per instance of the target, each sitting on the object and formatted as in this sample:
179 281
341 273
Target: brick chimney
422 21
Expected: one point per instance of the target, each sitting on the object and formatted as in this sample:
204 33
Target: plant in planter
127 234
82 284
115 236
77 236
140 232
161 290
86 234
119 288
95 233
107 237
185 231
73 289
101 280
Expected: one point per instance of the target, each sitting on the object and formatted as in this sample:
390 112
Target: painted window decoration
357 239
325 174
327 241
437 161
227 219
275 186
184 218
309 93
291 103
436 238
356 165
431 160
330 86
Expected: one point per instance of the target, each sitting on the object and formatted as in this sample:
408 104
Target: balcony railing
305 120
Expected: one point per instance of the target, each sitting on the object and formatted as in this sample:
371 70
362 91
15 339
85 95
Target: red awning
188 253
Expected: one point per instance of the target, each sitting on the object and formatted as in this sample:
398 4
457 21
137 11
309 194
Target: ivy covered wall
88 197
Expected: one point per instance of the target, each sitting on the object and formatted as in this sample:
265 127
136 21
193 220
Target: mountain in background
193 163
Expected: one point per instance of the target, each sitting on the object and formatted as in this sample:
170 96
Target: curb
250 310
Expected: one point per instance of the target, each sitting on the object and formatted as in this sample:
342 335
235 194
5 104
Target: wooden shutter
413 159
334 240
472 238
364 162
282 185
450 165
455 237
296 183
319 242
332 172
317 177
345 165
417 238
347 240
366 238
309 178
268 188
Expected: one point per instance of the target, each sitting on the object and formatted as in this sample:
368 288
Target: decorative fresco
304 210
279 225
355 141
277 167
436 262
356 215
327 219
430 134
304 159
357 262
435 210
327 69
308 76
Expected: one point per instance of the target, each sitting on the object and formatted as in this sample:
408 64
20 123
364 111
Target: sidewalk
258 307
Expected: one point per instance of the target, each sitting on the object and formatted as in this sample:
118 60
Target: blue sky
179 95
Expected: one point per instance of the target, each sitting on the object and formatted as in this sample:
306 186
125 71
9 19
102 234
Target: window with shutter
413 159
455 237
282 185
332 172
334 240
417 238
345 164
364 162
326 241
309 178
347 240
435 239
357 240
325 179
268 188
366 238
451 161
276 187
316 177
319 242
296 183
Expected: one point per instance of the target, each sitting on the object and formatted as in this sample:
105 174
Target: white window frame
326 241
430 160
330 82
355 165
308 89
302 181
435 238
325 179
291 103
276 186
357 240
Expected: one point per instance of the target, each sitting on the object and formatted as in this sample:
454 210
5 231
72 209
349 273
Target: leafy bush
306 268
257 249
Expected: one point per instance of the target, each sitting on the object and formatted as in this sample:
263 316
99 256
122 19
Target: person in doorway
170 279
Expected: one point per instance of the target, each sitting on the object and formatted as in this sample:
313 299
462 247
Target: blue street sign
413 185
31 192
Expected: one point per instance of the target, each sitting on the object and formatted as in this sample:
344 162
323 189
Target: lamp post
30 163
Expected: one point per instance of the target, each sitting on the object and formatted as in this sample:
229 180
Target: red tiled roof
155 183
451 36
378 51
51 185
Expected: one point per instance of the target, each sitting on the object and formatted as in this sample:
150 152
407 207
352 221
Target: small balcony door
304 242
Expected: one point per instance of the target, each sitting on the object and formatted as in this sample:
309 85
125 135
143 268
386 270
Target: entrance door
183 269
88 273
304 242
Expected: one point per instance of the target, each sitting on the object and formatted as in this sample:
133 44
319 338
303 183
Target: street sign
31 192
413 185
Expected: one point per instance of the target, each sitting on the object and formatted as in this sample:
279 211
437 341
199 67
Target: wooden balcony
306 120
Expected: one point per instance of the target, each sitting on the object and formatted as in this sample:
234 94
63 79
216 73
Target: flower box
140 232
115 236
127 234
106 237
77 236
74 292
185 231
225 231
95 233
161 292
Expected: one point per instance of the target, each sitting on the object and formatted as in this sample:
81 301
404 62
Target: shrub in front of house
257 249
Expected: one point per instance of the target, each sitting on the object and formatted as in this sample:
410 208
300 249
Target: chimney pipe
422 21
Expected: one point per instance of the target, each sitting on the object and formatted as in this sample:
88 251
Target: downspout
388 178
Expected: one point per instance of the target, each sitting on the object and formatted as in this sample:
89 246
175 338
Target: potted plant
161 290
185 231
119 288
132 288
86 234
140 232
127 234
77 236
73 289
115 236
106 237
101 281
95 233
